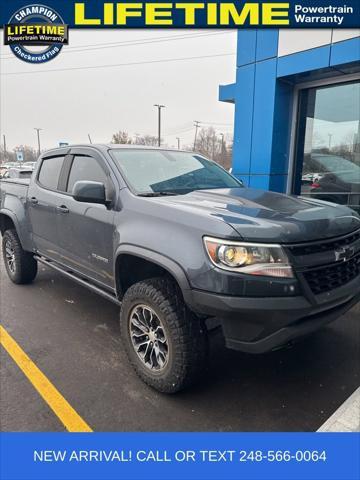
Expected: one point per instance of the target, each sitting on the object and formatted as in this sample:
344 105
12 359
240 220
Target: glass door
327 154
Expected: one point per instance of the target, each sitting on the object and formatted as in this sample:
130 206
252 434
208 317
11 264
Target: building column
262 114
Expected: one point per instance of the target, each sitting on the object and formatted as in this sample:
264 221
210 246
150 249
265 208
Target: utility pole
89 138
222 142
38 138
213 146
159 107
5 152
178 140
223 150
330 137
196 125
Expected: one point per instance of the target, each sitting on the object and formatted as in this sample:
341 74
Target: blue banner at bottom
37 456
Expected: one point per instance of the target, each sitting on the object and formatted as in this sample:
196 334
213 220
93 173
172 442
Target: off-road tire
25 266
186 334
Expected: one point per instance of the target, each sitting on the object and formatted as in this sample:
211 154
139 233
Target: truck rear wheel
20 265
166 344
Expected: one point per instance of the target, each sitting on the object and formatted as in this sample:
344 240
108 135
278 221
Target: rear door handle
34 200
62 209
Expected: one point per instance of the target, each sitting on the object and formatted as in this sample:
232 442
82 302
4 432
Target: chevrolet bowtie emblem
344 253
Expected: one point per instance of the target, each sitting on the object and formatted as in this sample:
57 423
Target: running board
82 282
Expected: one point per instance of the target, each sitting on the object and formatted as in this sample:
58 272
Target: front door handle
62 209
34 200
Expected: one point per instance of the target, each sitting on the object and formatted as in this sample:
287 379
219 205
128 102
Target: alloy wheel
10 256
148 338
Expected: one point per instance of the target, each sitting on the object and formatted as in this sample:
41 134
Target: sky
70 104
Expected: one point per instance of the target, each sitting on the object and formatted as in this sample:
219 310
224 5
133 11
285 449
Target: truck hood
259 215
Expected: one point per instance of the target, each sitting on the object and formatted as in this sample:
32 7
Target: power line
144 39
146 62
129 43
171 134
179 129
150 40
217 123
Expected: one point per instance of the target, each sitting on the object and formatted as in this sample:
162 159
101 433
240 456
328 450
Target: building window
327 155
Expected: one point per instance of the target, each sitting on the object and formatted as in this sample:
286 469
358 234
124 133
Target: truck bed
13 201
20 181
13 193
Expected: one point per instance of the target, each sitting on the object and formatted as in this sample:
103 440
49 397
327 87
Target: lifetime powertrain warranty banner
207 14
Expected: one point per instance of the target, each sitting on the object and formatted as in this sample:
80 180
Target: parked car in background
16 169
28 165
19 173
310 178
4 169
10 164
332 178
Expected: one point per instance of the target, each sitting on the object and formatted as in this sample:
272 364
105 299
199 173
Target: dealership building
297 106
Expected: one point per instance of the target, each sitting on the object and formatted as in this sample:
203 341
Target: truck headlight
250 258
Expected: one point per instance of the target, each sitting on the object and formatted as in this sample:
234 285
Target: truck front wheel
20 265
166 344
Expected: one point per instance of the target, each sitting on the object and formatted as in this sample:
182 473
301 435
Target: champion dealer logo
36 33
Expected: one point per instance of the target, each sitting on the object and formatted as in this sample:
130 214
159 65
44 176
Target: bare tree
213 146
29 154
121 137
206 142
8 157
225 159
149 140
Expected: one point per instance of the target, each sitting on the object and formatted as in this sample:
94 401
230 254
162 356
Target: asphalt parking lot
72 335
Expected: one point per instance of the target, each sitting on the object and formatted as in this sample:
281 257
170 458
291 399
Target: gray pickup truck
183 247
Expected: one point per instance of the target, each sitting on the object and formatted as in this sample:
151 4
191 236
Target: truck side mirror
89 192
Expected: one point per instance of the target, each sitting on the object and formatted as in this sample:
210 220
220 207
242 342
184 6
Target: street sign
19 155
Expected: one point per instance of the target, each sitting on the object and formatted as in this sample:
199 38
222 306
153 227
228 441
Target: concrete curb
347 416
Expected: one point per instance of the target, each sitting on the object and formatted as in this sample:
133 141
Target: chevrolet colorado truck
183 247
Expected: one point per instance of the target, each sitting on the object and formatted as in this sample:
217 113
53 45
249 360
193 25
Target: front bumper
257 325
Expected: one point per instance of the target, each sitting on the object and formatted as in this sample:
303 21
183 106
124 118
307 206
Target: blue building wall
264 95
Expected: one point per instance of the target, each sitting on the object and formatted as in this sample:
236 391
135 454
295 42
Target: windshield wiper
157 194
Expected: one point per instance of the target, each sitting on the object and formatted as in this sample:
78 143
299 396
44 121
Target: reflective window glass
328 144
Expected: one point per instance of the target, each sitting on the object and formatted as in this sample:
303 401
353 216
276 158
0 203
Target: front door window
328 144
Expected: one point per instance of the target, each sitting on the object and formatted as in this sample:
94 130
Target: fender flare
166 263
4 212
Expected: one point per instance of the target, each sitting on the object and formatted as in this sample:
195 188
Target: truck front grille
326 278
325 245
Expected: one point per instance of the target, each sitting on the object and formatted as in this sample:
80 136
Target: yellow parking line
61 407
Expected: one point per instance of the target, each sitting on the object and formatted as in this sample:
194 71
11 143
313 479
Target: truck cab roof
104 147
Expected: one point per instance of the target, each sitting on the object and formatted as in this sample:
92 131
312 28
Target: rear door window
50 172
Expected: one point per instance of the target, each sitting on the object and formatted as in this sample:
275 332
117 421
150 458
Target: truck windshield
161 172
